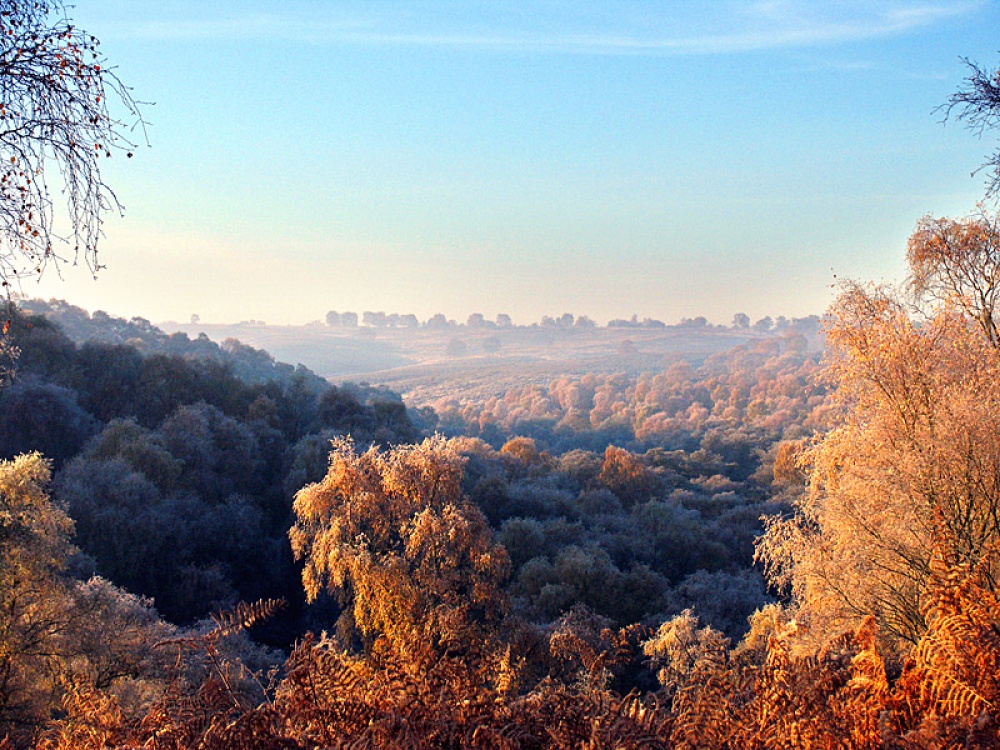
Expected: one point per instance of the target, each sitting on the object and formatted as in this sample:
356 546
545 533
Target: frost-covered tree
914 468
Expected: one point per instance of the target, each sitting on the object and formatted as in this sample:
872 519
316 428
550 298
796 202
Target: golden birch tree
413 562
34 598
917 457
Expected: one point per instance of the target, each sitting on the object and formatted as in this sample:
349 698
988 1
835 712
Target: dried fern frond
92 721
227 623
244 616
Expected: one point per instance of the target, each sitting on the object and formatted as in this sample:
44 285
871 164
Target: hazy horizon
460 320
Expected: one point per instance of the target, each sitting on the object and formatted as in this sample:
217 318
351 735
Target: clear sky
610 157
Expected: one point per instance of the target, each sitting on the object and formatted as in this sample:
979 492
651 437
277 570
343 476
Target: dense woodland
176 461
733 404
157 441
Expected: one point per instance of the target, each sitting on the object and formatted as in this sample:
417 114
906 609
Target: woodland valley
715 538
781 535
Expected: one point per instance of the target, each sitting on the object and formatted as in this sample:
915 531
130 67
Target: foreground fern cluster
762 694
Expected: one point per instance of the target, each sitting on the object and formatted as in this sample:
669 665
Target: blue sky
668 159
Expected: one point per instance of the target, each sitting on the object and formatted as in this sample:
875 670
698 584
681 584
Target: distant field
424 365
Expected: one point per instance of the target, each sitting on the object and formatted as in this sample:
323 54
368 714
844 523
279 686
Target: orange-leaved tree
956 262
34 598
917 457
413 562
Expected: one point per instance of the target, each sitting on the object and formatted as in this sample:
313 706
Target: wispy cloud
638 28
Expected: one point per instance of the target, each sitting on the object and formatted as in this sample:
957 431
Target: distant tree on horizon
437 322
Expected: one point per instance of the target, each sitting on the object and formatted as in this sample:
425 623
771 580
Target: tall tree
957 262
34 547
915 465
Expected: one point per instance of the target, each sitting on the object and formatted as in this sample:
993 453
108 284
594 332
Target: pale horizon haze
664 159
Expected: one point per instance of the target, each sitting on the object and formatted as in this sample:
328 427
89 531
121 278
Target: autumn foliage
414 564
438 673
767 387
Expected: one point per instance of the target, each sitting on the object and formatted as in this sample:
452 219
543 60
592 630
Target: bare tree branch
977 104
55 128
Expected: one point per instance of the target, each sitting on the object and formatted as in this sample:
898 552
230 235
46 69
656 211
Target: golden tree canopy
957 262
916 461
390 532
